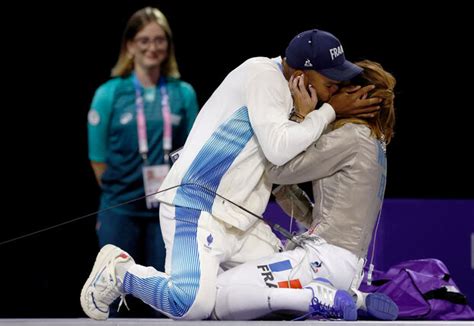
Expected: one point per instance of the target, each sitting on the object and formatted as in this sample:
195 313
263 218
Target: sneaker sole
106 253
346 303
380 306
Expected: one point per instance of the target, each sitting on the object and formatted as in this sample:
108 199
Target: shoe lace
322 311
122 301
111 292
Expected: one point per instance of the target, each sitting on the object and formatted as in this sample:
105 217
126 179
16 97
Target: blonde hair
384 121
135 24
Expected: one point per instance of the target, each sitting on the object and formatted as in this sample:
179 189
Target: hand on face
353 101
304 94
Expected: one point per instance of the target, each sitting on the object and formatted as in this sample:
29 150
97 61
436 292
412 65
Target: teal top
113 136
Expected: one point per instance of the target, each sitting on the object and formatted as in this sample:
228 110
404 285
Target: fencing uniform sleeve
269 104
329 154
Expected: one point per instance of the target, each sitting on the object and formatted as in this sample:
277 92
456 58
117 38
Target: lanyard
141 120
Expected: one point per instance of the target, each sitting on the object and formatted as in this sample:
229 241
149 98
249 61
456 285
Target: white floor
168 322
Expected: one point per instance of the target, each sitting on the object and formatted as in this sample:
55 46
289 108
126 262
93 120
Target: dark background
56 56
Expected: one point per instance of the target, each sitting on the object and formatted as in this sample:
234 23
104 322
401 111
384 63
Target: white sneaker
330 303
104 284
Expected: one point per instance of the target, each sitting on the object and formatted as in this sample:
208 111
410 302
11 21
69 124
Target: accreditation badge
153 176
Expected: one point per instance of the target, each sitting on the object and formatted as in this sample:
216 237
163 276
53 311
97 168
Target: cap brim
344 72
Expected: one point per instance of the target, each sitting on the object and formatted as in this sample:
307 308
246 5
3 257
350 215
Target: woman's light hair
384 121
135 24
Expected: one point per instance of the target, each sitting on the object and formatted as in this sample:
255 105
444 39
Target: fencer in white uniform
347 167
242 126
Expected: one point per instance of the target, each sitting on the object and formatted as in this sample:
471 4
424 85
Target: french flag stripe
280 266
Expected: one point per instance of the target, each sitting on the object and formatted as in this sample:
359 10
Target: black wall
55 57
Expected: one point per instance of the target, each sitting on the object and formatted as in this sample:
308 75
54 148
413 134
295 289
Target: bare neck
287 70
147 77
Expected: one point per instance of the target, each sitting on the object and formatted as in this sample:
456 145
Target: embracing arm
269 104
329 154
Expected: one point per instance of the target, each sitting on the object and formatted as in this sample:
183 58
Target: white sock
121 268
359 298
244 302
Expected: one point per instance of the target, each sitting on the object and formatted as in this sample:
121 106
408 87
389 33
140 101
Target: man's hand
353 101
304 101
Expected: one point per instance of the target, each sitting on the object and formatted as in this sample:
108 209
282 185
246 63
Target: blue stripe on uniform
213 161
175 294
280 266
185 266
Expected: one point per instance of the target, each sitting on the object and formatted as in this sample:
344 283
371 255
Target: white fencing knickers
196 245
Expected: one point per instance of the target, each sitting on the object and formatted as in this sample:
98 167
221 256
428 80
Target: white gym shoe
104 284
330 303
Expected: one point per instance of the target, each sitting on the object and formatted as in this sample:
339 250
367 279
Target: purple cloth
422 289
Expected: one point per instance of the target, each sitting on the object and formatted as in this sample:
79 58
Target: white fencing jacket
243 124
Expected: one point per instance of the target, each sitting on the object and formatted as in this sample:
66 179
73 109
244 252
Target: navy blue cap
320 51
